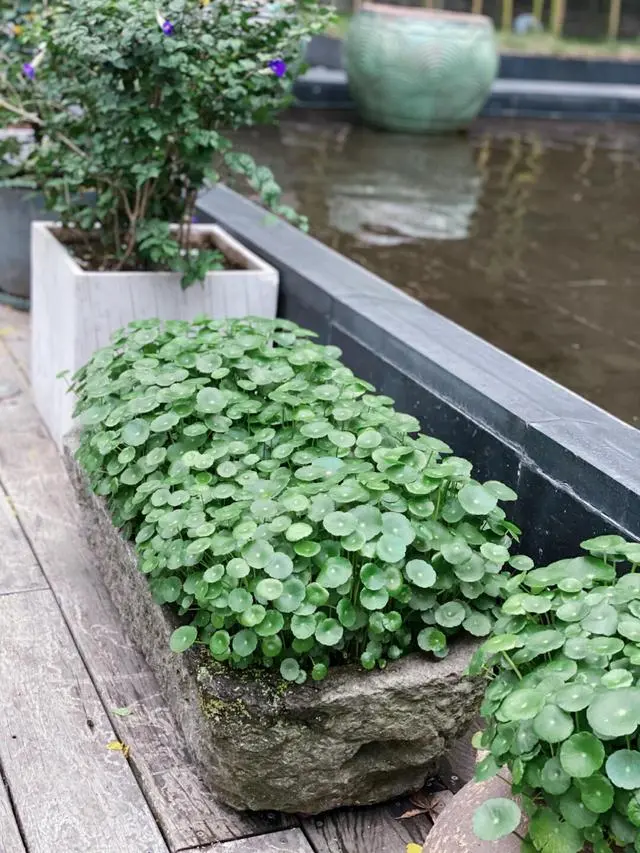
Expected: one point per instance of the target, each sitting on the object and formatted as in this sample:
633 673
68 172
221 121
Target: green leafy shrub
13 18
563 705
132 102
281 507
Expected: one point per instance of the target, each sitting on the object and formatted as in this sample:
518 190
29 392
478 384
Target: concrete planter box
74 312
353 739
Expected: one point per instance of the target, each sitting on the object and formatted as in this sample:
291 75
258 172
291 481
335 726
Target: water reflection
528 235
383 200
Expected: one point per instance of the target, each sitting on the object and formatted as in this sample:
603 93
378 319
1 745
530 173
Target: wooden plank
375 829
71 792
14 329
459 764
34 477
19 570
291 841
10 840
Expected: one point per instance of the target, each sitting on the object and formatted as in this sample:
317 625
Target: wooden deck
73 690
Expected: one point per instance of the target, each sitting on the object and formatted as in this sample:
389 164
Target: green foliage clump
563 703
132 99
284 510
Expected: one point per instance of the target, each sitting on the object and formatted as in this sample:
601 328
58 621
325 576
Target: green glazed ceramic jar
419 70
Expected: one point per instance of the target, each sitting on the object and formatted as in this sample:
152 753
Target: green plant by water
562 707
289 515
130 102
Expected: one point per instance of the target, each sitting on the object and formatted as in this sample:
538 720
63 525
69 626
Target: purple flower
279 67
167 28
29 71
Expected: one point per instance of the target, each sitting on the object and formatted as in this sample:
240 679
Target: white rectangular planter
74 312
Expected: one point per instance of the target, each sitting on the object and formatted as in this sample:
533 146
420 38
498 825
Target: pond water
526 234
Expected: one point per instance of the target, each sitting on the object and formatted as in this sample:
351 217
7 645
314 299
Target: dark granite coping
326 51
576 466
327 88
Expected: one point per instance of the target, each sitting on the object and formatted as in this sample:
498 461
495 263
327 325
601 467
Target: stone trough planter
355 738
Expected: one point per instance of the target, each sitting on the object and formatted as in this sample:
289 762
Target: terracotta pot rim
420 12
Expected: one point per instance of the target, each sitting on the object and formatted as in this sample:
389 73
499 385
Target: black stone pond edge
527 87
575 467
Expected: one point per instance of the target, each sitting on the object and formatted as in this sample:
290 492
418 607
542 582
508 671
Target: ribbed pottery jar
419 70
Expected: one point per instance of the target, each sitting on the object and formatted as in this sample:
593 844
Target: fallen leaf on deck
411 813
118 746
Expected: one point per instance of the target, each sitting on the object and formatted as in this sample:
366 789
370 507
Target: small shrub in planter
294 522
563 704
132 103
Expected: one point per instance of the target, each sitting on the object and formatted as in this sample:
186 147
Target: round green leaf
623 768
292 596
316 594
581 755
398 526
544 641
239 600
289 669
368 520
165 422
629 627
335 573
502 643
339 523
235 568
617 678
456 552
574 697
431 640
347 613
616 712
183 638
280 566
372 599
135 433
476 499
329 632
299 530
269 589
273 621
258 554
496 818
372 576
477 624
219 643
319 671
596 793
554 779
552 724
210 400
450 614
421 573
574 811
522 704
390 549
244 642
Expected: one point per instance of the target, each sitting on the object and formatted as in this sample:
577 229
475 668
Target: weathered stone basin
355 738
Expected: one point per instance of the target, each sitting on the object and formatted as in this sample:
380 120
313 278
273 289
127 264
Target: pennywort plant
132 101
563 704
288 514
